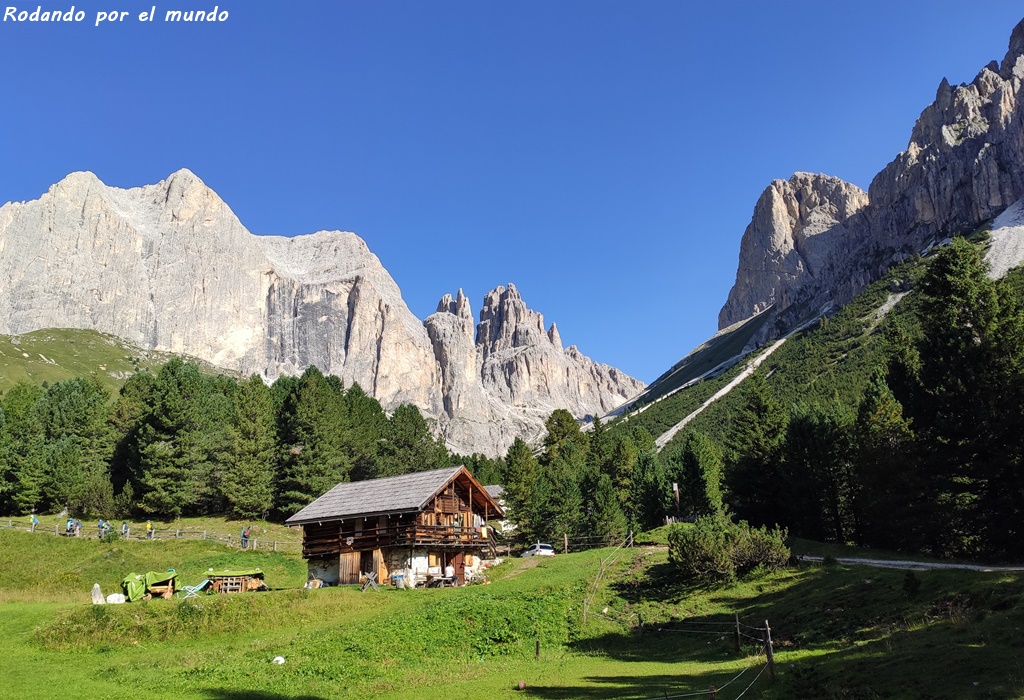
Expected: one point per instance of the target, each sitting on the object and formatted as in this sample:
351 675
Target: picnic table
442 582
236 581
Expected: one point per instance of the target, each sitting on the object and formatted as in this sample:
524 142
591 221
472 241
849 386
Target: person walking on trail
35 521
102 527
245 537
149 530
124 529
70 527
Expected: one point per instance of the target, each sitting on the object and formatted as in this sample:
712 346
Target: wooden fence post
536 653
565 540
768 650
275 545
737 633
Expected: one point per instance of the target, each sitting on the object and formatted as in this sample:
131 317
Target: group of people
73 527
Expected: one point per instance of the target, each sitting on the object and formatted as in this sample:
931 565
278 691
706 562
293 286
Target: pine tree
179 442
652 495
367 428
752 472
887 495
316 459
127 416
79 445
607 521
409 445
248 483
817 474
700 476
524 492
24 446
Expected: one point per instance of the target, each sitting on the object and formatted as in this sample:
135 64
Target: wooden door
459 562
348 567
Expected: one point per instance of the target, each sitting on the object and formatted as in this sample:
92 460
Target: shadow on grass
226 694
851 632
644 686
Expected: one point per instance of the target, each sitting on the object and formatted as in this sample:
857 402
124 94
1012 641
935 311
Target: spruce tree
248 482
524 492
316 459
408 445
179 442
24 446
889 497
700 476
752 472
607 521
79 444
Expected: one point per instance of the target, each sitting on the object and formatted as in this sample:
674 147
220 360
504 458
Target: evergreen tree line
930 458
600 485
181 442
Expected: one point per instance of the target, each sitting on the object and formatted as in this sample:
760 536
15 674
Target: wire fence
238 541
755 639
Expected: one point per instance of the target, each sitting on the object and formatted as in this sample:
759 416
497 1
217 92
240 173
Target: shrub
717 549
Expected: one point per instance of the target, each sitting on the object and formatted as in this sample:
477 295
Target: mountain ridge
959 170
170 267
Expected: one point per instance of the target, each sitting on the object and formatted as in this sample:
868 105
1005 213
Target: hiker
102 527
78 528
245 537
149 530
35 521
70 527
124 529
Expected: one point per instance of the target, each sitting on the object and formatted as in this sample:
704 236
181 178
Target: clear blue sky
605 156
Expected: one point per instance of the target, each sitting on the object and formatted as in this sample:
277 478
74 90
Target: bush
716 549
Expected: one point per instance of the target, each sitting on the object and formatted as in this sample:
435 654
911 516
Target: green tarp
234 572
137 585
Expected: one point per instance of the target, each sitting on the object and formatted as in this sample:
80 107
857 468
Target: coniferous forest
897 431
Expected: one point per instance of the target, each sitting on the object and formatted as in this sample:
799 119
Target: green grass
40 567
53 355
839 632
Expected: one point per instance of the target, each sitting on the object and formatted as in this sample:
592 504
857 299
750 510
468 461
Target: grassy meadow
838 632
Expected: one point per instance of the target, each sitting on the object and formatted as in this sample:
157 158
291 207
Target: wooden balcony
328 541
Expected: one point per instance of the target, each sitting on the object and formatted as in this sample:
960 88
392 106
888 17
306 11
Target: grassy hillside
831 360
54 355
839 632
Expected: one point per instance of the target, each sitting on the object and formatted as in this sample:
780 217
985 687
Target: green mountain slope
53 355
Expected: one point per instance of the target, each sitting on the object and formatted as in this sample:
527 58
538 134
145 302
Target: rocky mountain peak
459 305
796 223
1012 66
170 267
962 167
506 322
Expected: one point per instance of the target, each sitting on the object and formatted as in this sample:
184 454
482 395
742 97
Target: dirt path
910 565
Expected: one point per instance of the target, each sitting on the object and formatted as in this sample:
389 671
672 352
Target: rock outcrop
508 380
962 167
170 267
797 227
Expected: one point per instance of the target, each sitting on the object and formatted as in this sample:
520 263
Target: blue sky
605 156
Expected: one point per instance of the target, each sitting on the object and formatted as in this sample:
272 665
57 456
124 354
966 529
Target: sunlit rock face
170 267
963 166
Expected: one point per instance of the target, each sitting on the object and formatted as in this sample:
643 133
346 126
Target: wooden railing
402 535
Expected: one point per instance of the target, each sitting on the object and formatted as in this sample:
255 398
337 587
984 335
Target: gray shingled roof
392 494
495 491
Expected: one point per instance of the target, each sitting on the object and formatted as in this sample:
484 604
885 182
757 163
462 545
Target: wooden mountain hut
414 524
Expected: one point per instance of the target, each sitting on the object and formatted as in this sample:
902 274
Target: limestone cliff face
507 381
170 267
797 228
964 165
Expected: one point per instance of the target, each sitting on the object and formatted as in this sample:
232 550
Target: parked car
539 550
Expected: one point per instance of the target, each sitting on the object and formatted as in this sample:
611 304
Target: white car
539 550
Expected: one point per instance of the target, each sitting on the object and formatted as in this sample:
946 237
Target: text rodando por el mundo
111 15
